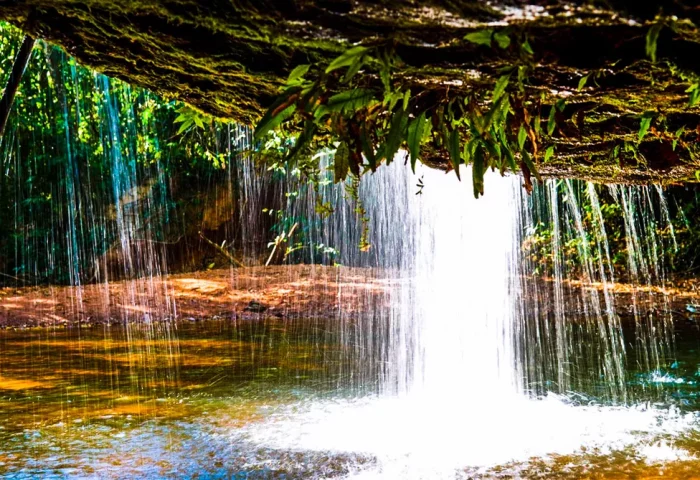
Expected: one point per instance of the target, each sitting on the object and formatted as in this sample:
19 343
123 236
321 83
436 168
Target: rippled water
275 399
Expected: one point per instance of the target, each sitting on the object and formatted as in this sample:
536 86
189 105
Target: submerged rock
255 307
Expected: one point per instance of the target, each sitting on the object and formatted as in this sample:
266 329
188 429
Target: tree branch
8 97
221 250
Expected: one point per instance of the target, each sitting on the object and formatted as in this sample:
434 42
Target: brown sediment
254 293
279 291
674 297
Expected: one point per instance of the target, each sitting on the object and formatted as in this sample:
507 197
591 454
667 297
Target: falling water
462 326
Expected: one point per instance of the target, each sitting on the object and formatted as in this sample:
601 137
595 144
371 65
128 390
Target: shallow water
276 399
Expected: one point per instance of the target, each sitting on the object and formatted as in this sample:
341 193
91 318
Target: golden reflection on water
122 402
97 368
65 392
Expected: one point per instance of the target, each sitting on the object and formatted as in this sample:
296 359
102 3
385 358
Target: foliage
370 118
665 230
89 164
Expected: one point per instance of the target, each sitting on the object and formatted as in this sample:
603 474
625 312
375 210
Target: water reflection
148 400
274 398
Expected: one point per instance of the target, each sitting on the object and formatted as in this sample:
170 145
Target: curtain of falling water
451 264
574 339
464 305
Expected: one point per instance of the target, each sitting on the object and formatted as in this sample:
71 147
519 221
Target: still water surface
276 399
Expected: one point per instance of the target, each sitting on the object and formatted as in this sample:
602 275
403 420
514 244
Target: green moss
229 59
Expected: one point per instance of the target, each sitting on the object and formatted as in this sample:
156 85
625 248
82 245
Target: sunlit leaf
186 125
645 124
297 74
350 100
347 58
416 130
522 137
549 153
453 147
502 39
582 83
279 111
500 87
652 39
482 37
355 67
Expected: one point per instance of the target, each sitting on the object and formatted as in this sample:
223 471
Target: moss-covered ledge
229 58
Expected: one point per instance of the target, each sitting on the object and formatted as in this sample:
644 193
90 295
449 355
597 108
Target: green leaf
478 171
354 68
280 110
453 147
496 114
548 153
185 125
500 87
297 75
502 39
552 121
509 157
397 133
347 58
522 137
392 98
467 151
694 98
350 100
482 37
522 77
198 121
582 83
303 139
652 40
645 124
561 104
406 99
416 130
527 48
385 76
616 152
341 165
527 160
494 151
368 149
677 136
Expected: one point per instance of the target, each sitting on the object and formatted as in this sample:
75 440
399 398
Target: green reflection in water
161 402
126 400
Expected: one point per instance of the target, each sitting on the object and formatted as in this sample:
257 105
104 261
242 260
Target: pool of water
282 399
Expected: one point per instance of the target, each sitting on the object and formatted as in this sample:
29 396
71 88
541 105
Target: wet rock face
228 58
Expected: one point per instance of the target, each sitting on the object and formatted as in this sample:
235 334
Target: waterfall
482 359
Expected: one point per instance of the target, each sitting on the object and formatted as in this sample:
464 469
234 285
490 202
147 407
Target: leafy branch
368 113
